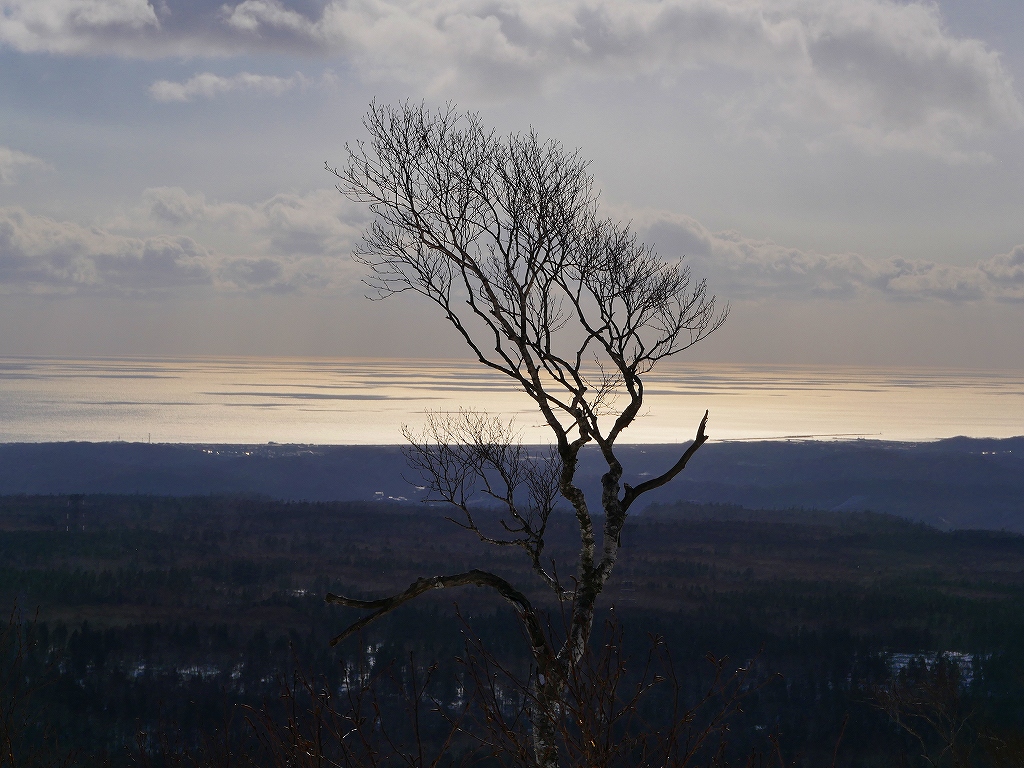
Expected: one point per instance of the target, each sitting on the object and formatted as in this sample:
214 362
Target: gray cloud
300 243
740 267
1006 270
253 273
284 245
291 242
40 255
176 207
76 26
13 162
878 73
318 223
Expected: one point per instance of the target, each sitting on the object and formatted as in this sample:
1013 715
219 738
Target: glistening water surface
366 401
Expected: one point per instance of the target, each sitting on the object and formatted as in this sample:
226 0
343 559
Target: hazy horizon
365 401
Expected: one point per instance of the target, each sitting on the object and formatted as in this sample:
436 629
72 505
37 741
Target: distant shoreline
275 447
950 483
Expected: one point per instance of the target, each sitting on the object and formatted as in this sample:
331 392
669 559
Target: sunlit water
361 401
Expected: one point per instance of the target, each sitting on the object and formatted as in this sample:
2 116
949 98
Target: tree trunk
544 714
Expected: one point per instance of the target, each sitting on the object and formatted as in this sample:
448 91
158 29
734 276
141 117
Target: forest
139 617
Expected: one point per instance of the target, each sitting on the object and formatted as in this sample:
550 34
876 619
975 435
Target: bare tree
926 701
503 234
611 719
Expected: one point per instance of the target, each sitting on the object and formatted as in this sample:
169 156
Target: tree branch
632 493
475 577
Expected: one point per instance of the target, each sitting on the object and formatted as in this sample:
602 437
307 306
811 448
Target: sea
361 401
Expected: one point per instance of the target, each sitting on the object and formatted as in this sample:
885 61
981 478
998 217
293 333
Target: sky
847 174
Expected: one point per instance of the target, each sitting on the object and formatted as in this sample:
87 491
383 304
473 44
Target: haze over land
846 173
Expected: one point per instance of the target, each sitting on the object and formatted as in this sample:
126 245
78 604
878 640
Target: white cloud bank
208 85
40 255
319 225
878 73
290 243
744 268
296 243
13 162
75 26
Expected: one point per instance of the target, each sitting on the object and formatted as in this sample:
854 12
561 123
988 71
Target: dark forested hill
960 482
168 610
956 483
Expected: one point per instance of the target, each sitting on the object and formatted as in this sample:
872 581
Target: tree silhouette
503 234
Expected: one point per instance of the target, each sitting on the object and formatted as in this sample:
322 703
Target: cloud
12 162
253 272
297 242
301 243
744 268
881 74
888 76
41 255
1006 270
76 26
290 242
320 223
208 85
